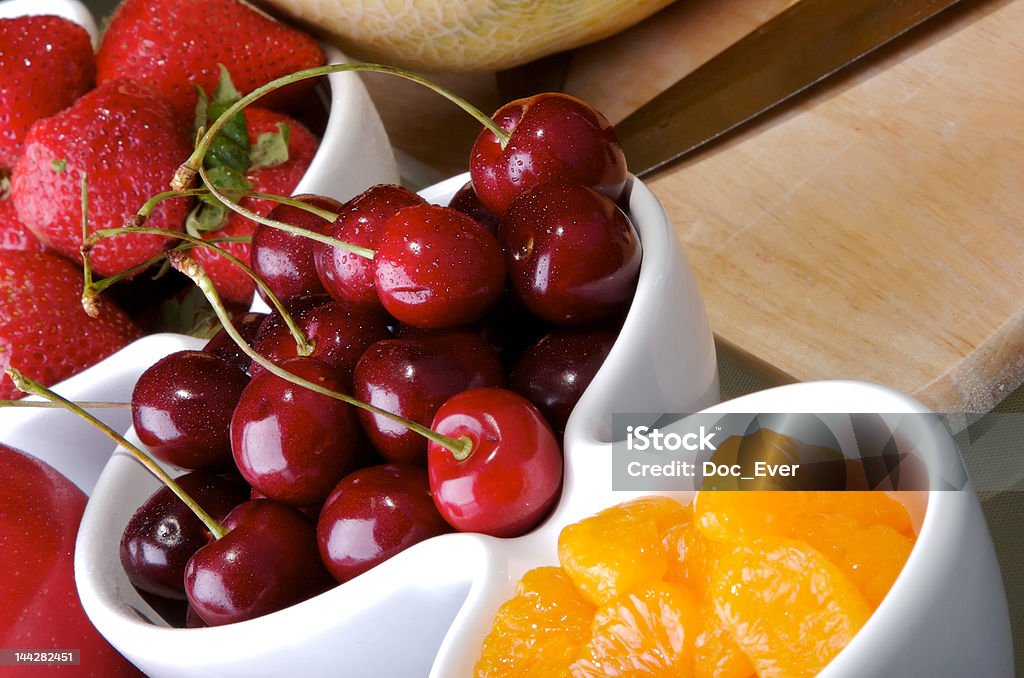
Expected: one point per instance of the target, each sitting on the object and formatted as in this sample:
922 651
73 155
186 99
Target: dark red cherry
466 201
267 561
554 137
340 330
435 267
223 346
554 372
412 377
510 328
163 533
285 261
347 276
573 256
181 407
292 444
373 514
513 474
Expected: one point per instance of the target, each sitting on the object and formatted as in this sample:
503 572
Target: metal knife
804 44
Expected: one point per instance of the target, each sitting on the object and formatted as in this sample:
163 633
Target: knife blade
801 46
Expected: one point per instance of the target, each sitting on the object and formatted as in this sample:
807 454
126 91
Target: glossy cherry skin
39 519
373 514
341 332
513 475
466 201
412 377
284 261
266 562
181 408
292 444
435 267
553 137
554 372
347 276
223 346
163 533
573 256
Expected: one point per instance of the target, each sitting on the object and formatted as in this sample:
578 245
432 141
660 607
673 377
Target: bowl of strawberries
85 153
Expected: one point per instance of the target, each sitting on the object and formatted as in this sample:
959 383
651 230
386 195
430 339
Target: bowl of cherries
317 481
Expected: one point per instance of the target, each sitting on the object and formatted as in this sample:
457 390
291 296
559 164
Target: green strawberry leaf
189 314
210 214
272 147
230 148
59 165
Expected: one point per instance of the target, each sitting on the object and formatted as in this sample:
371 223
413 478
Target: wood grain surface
873 229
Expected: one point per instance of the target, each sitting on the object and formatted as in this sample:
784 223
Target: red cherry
466 201
513 474
341 332
267 561
347 276
412 377
223 346
573 256
290 443
164 533
181 408
285 261
553 373
435 267
374 514
554 137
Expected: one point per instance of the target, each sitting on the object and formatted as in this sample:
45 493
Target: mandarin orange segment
871 557
867 508
539 631
618 549
716 653
739 516
650 632
789 609
692 557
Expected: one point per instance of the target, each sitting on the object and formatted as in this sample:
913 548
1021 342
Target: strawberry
279 176
127 141
177 44
43 330
14 235
46 62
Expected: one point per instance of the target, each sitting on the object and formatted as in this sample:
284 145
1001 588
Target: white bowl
392 620
69 9
945 615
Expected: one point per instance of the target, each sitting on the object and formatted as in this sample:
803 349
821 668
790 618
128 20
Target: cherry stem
186 174
100 286
460 447
45 404
149 205
280 225
303 343
34 388
91 310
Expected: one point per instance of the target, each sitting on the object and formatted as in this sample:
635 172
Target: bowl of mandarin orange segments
423 448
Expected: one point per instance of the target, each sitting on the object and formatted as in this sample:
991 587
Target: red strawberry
43 330
46 62
14 235
176 44
278 179
128 142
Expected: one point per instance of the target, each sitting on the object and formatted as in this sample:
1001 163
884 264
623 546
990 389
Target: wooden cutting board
872 230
